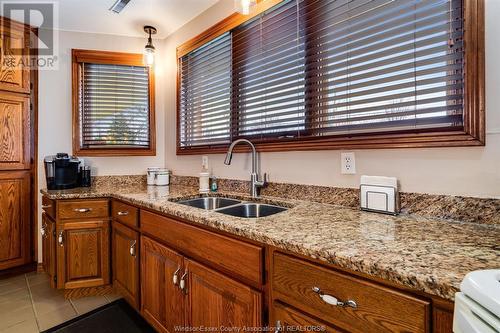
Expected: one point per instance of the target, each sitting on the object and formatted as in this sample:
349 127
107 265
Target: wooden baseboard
31 267
39 268
90 291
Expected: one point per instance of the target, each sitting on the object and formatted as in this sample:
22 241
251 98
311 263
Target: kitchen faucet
254 177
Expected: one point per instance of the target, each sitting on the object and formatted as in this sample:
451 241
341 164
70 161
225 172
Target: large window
326 74
112 104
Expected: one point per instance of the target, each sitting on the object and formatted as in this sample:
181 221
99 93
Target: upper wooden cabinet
15 133
14 57
14 219
82 254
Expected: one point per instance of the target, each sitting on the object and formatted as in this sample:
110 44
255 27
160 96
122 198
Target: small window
113 104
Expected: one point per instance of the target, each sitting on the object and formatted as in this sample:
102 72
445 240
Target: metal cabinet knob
278 328
82 210
42 231
175 277
182 284
329 299
132 248
60 239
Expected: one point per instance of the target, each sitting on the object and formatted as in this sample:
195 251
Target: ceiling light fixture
149 49
244 6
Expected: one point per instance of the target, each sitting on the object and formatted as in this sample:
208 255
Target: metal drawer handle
175 277
82 210
132 248
60 239
182 284
278 328
329 299
122 213
46 206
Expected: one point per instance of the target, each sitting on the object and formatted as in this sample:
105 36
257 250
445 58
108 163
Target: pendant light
244 6
149 49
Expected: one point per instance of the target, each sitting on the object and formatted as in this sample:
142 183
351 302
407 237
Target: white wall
457 171
55 115
55 110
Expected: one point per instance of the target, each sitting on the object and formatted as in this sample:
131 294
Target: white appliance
477 306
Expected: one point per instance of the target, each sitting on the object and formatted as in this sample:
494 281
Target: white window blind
114 106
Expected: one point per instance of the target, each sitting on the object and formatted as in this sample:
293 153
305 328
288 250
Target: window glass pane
114 104
316 68
268 75
205 94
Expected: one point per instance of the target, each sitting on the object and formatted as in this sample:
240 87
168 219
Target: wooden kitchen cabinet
215 300
14 56
48 231
15 240
125 262
15 124
287 319
313 289
177 291
76 245
162 301
82 254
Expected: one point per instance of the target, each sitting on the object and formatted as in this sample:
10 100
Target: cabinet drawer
49 207
287 319
379 309
126 214
228 254
83 209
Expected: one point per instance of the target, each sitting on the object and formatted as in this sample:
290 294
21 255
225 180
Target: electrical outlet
348 163
204 162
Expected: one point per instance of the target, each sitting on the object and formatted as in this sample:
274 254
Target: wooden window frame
474 133
111 58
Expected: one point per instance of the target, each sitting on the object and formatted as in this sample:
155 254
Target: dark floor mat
110 318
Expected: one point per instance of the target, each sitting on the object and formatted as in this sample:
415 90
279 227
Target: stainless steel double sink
233 207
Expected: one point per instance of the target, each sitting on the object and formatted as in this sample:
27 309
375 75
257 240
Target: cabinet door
82 254
15 132
286 319
125 245
14 57
214 300
15 210
162 302
49 247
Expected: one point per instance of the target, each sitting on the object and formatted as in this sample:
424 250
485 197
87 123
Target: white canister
204 182
162 177
151 174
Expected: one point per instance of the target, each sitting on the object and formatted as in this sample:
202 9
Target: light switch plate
348 163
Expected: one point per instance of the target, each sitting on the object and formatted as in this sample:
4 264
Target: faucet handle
261 183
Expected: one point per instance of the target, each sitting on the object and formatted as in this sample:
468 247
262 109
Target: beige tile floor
28 304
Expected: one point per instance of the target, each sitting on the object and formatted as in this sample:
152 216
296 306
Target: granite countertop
429 255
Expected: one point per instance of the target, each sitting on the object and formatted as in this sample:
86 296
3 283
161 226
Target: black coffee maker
63 172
